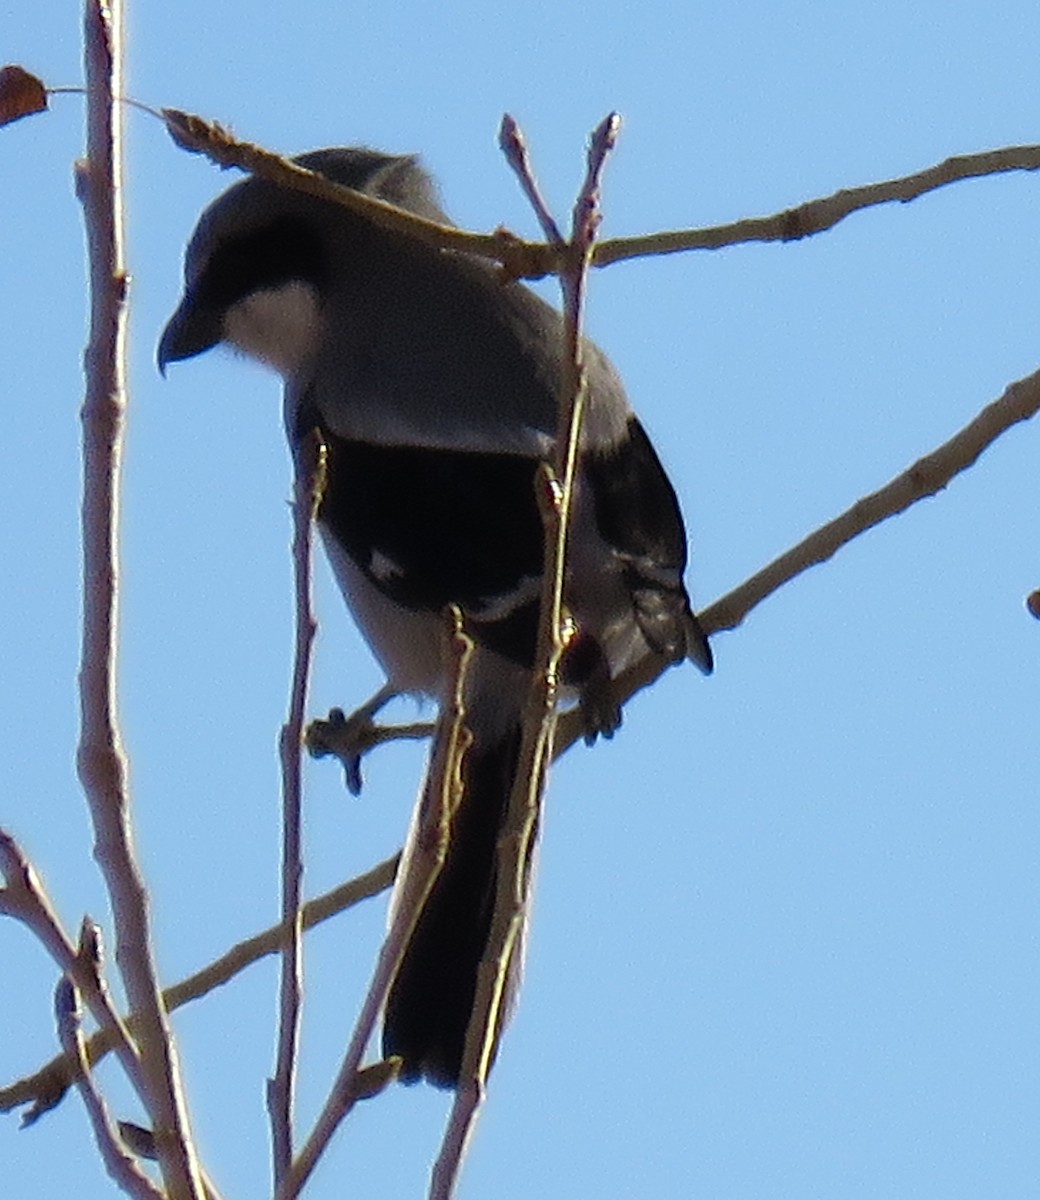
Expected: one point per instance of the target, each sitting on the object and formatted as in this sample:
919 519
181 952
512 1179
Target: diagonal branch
120 1164
23 898
926 477
46 1086
531 260
198 136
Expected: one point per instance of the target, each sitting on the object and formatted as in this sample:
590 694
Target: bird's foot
585 667
349 738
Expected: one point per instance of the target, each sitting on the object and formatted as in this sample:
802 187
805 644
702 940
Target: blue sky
785 937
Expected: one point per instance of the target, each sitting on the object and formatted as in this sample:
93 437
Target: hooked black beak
192 329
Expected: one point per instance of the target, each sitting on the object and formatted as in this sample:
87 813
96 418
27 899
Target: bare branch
120 1165
926 477
532 260
514 147
815 216
23 897
440 797
517 839
101 760
194 134
48 1085
307 489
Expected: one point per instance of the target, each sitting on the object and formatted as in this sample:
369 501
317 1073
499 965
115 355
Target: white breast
279 326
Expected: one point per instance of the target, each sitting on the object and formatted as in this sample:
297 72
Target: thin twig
440 797
532 260
308 485
119 1164
517 839
926 477
129 101
199 136
46 1086
101 759
1020 401
514 146
23 897
142 1142
816 216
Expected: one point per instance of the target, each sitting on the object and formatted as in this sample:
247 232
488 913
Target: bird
432 381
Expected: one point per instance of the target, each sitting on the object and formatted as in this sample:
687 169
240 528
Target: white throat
279 326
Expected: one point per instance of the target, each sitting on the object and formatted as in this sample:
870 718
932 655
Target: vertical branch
309 482
419 872
101 760
556 489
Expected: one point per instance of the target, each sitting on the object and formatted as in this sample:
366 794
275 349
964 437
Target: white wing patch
383 568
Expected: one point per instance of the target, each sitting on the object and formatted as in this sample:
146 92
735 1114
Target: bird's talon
352 774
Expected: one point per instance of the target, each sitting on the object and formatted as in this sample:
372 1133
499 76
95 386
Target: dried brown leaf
21 94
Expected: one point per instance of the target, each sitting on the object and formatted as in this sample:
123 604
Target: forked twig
420 872
23 898
46 1086
517 839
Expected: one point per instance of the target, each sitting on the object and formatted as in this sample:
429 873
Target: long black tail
431 999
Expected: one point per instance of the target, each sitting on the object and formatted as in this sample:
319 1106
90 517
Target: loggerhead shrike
433 385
